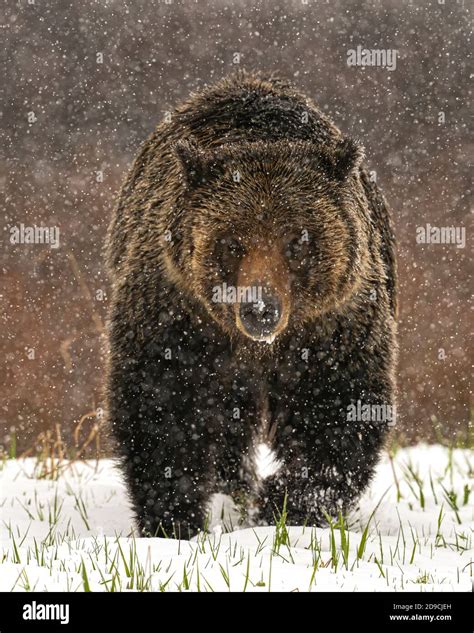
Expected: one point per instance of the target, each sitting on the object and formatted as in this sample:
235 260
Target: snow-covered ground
73 534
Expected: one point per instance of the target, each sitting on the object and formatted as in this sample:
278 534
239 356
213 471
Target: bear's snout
260 320
264 270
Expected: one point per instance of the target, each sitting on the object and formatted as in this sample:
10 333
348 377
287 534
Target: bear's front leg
314 484
166 446
166 414
326 441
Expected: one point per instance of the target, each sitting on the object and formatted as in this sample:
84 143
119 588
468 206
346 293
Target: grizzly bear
253 303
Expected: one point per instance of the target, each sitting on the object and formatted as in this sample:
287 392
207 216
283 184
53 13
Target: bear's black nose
260 319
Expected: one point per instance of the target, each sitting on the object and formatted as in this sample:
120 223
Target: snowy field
412 532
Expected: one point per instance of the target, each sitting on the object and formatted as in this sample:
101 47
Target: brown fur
237 189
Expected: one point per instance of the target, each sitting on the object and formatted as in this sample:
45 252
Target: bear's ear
197 166
191 160
345 158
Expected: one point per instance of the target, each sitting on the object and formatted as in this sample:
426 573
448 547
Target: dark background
91 117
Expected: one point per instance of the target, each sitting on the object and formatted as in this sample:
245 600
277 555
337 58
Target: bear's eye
294 247
231 245
230 251
296 251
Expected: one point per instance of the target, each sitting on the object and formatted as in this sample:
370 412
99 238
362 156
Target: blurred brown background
68 117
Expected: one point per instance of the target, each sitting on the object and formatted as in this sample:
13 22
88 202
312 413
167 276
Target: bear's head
269 236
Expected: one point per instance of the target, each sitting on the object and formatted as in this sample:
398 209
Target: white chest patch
266 463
